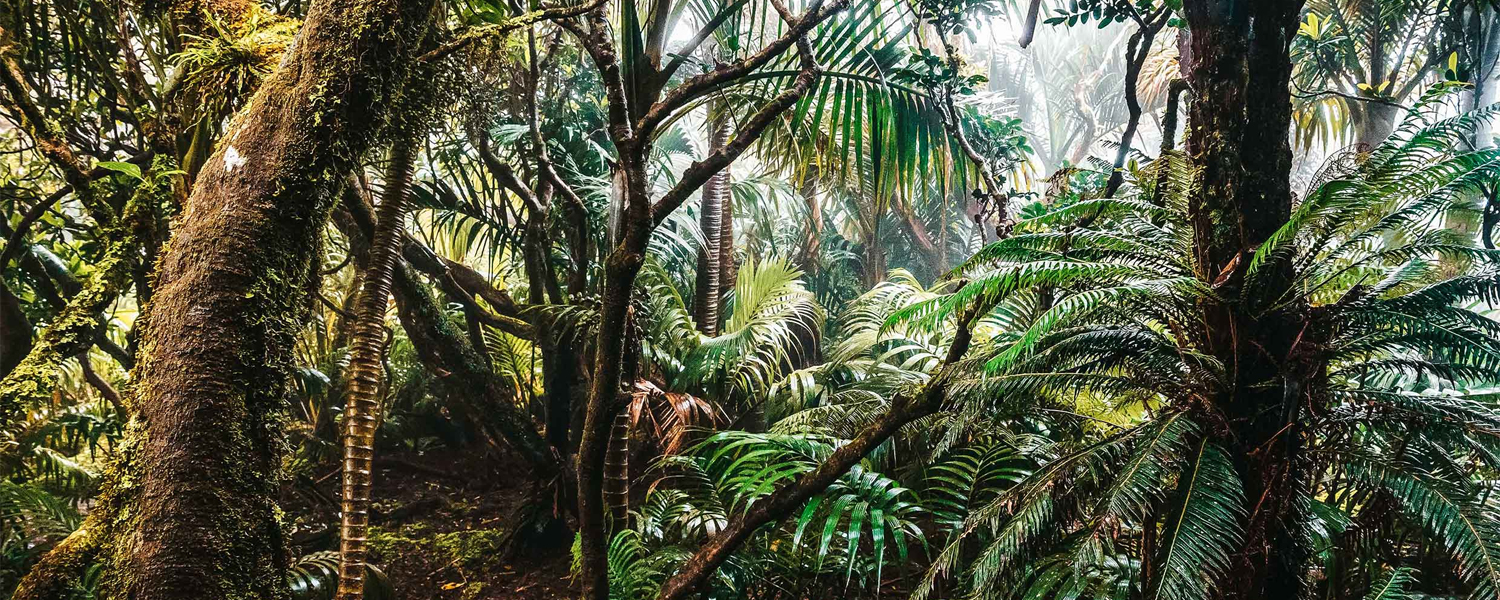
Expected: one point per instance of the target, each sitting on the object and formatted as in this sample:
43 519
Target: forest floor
448 525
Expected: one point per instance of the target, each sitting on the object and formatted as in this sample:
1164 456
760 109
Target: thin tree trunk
709 292
617 463
874 267
367 374
812 242
445 351
15 331
1136 52
638 216
729 271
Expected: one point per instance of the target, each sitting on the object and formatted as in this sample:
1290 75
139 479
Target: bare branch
695 86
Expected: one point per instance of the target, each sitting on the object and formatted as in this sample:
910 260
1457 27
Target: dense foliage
762 299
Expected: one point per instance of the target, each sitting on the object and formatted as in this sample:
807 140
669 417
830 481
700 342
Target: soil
449 525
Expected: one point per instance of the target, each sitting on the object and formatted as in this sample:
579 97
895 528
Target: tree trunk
874 267
930 251
445 351
1136 52
1378 120
812 242
194 500
637 216
729 271
711 213
367 373
1240 115
15 331
617 481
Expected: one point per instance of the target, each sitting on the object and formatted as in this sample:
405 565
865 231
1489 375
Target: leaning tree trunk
367 374
190 512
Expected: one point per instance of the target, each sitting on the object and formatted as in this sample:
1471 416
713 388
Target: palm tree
1359 63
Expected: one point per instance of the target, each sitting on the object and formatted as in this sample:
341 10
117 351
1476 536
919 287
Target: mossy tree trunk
1239 119
190 511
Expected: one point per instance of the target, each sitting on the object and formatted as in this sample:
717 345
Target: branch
703 34
701 171
1302 93
951 122
1028 28
13 242
598 41
482 32
503 173
697 85
48 137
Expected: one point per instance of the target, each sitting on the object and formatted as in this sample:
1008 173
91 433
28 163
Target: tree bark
711 213
813 240
1377 121
445 351
15 331
729 271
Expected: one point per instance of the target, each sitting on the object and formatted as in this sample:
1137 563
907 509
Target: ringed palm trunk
729 272
716 244
367 375
617 482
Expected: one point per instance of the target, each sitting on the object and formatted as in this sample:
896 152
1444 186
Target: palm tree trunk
367 373
814 239
1379 120
709 293
446 352
617 465
874 267
729 271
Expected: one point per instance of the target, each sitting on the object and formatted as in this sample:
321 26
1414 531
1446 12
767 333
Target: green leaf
125 168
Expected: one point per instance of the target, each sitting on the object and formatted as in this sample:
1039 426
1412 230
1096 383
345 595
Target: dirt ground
447 526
